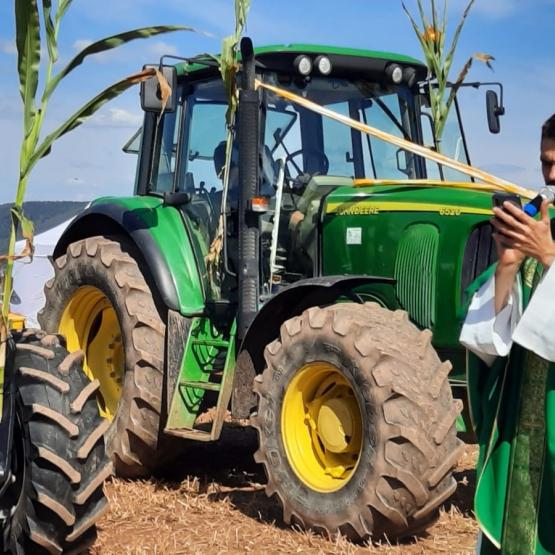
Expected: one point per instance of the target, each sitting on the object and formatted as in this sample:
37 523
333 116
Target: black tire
110 265
59 461
409 444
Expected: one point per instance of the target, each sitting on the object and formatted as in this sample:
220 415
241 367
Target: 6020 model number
450 211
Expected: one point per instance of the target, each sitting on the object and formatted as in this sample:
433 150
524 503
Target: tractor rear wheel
101 301
59 465
356 423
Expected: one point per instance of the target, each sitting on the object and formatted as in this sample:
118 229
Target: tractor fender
149 226
291 301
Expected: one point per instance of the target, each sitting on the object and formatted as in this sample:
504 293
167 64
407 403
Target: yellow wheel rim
90 324
321 427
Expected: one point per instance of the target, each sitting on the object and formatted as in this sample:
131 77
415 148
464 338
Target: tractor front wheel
101 301
356 423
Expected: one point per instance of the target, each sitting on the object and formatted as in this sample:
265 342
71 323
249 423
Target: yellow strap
488 179
430 182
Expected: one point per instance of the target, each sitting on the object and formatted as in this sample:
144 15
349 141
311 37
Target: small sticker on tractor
354 236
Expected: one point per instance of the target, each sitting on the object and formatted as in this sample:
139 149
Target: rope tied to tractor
488 182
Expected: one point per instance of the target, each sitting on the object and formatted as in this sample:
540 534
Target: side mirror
494 111
151 100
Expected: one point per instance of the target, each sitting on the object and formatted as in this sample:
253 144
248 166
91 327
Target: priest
510 333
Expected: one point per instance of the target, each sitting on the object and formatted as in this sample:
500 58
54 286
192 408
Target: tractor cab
302 155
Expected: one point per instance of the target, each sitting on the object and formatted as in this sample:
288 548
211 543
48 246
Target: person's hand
519 236
506 255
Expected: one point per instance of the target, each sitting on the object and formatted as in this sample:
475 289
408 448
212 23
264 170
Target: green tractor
257 270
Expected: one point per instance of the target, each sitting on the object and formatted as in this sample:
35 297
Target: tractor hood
433 240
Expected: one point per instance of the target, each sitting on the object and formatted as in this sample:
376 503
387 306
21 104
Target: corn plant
30 20
229 67
228 57
431 34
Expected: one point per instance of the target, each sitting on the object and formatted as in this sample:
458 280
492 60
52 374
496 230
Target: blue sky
89 162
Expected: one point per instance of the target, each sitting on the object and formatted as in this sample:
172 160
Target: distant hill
44 214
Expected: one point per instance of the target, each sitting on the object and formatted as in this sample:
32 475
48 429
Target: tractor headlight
394 73
323 64
303 64
409 76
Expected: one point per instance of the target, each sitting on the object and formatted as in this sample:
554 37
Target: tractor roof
344 60
333 50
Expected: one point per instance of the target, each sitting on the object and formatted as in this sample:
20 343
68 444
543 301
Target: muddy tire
105 270
400 432
59 462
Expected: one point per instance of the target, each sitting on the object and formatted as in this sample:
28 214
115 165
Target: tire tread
47 518
415 412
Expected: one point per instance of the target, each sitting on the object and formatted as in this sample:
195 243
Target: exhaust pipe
249 244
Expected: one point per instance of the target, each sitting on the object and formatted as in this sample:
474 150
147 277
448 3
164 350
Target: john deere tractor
261 269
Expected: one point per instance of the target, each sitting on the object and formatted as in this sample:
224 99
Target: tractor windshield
311 144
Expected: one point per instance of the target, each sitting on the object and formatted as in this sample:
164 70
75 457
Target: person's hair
548 129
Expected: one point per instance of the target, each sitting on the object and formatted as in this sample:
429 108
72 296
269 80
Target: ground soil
214 502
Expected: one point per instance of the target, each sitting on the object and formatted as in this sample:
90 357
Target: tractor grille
415 272
479 255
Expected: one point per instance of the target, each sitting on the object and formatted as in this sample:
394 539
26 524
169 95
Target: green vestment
512 405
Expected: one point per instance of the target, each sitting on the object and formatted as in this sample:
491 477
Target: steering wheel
311 155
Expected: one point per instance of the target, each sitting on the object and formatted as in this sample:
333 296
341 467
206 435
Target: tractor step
208 364
197 435
209 386
211 343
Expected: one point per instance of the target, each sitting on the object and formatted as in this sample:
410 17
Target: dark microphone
533 207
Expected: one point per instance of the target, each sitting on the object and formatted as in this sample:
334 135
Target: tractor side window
282 134
204 162
451 145
133 145
163 173
202 158
338 143
384 160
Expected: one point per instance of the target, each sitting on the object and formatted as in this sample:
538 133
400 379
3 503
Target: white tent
29 277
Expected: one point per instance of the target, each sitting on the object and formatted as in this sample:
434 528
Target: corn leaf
28 56
84 113
62 9
228 70
428 53
444 26
423 17
27 230
435 21
165 89
50 30
485 58
107 44
418 33
228 58
241 12
3 347
452 50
